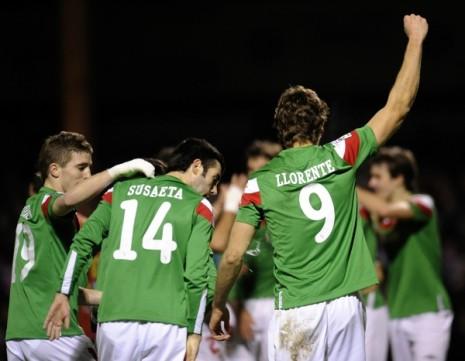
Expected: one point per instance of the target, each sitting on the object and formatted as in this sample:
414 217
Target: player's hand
192 346
239 180
132 167
219 323
246 323
233 193
57 317
416 27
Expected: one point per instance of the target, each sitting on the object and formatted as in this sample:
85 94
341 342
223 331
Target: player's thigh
14 352
73 348
400 341
431 335
346 329
376 334
117 340
298 333
163 342
121 341
261 310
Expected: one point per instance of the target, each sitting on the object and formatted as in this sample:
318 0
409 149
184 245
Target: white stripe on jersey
424 199
207 204
200 313
66 285
46 197
340 147
252 186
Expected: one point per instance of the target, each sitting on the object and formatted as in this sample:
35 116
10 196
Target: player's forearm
89 296
197 307
222 232
83 192
375 204
372 202
405 88
197 292
229 270
82 247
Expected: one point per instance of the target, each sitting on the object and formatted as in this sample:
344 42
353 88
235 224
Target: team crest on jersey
340 139
26 213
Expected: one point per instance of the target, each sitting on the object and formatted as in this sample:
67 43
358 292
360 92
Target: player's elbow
232 258
399 107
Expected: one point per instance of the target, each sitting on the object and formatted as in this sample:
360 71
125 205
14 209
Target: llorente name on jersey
155 191
307 176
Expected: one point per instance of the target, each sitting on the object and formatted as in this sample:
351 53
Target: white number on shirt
166 245
325 212
23 231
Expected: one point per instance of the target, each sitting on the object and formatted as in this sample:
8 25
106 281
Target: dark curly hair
300 116
399 161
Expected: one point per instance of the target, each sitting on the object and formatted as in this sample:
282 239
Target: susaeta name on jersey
155 191
309 175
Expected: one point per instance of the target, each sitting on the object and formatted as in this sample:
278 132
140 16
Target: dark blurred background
138 76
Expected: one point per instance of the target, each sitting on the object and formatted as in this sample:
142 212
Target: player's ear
54 170
197 167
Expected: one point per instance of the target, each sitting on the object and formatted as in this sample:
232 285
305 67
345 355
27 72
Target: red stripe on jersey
44 206
352 147
77 223
364 213
205 212
108 197
424 208
387 223
251 198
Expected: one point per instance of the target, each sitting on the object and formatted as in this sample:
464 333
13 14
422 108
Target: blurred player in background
377 317
419 306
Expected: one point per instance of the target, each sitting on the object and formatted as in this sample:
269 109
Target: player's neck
301 143
53 184
182 176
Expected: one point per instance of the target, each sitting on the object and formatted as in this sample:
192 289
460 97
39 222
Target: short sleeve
251 204
356 146
422 206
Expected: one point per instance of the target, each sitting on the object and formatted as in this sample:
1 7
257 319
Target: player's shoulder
205 209
423 199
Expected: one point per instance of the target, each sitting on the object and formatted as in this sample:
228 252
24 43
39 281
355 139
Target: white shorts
66 348
261 310
330 331
122 341
422 337
376 334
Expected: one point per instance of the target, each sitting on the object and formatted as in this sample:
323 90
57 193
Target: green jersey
307 197
372 243
259 280
414 282
42 242
156 253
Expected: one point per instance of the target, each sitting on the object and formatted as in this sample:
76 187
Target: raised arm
92 186
402 95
